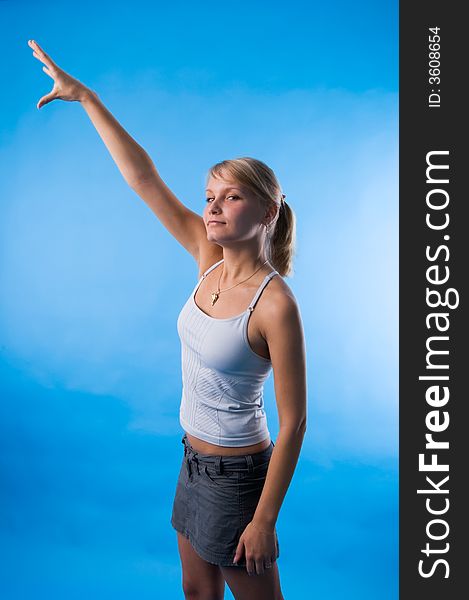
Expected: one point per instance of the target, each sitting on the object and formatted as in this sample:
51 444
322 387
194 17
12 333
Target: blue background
92 284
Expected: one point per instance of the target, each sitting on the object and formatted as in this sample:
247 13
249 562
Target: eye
231 196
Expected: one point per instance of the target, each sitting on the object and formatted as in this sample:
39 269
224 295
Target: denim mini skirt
216 497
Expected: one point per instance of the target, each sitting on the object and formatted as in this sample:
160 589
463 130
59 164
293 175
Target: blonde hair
261 180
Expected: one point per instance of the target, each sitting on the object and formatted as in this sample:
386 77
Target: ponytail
282 242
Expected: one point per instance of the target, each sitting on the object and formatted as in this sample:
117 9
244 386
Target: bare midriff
207 448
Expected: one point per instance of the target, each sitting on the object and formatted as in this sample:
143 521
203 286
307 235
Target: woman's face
232 212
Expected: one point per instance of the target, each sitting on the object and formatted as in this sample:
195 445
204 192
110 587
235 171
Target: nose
214 207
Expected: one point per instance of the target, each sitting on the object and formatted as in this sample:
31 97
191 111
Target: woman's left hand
260 548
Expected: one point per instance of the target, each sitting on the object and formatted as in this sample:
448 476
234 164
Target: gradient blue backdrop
91 284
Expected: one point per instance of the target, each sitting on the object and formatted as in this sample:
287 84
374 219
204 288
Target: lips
215 222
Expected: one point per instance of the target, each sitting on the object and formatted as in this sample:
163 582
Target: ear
271 213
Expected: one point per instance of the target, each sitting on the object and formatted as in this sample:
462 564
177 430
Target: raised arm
133 162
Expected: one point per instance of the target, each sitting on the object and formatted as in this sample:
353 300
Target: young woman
240 321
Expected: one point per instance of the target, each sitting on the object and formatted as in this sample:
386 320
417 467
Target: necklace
215 295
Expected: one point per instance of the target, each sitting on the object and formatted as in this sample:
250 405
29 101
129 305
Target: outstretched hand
65 86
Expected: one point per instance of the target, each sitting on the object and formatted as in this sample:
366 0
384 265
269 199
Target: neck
240 264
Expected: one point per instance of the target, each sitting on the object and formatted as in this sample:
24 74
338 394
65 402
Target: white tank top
222 377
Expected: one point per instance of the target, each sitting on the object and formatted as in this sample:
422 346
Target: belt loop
250 463
218 466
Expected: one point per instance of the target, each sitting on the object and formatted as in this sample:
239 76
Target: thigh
246 587
200 578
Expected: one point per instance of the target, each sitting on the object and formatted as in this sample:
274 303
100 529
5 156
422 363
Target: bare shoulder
279 306
279 296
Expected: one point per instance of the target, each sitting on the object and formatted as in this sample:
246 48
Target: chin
212 236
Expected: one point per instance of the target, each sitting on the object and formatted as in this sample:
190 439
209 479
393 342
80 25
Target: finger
41 55
250 566
39 58
46 70
260 566
46 99
239 551
37 48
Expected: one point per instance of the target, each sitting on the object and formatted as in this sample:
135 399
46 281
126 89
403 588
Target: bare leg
247 587
200 579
